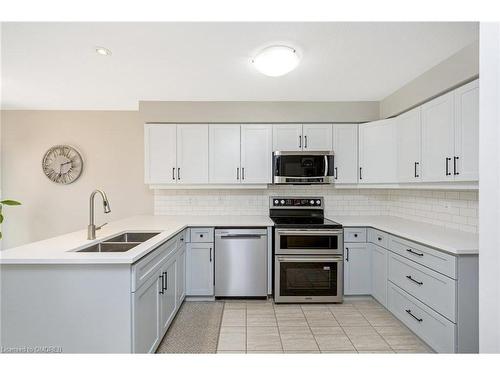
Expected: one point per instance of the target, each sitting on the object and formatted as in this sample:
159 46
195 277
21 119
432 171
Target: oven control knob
282 201
318 202
276 202
311 201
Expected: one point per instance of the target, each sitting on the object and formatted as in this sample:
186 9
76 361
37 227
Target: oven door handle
308 232
314 259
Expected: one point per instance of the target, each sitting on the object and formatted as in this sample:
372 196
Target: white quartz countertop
449 240
62 249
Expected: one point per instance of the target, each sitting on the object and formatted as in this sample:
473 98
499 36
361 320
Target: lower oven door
308 279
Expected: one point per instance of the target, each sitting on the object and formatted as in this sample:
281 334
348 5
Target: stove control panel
296 202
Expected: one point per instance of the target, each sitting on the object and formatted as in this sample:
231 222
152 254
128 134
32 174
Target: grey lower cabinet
200 263
147 315
357 269
158 296
432 292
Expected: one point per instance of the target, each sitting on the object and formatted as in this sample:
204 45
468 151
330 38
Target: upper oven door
302 167
312 241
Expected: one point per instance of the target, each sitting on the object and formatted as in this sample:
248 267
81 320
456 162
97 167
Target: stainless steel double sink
120 243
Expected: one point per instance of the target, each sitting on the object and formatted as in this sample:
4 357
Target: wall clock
62 164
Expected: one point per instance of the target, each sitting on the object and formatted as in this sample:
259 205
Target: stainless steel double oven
308 252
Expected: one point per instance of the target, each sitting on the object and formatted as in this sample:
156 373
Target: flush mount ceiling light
102 51
275 61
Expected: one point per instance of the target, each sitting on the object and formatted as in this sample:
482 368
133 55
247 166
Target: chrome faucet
92 228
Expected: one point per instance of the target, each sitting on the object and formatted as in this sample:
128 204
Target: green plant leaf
9 202
1 218
0 235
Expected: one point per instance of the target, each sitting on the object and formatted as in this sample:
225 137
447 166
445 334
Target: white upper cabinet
438 138
466 157
306 137
224 158
192 154
256 153
345 149
377 152
287 137
409 143
317 137
160 153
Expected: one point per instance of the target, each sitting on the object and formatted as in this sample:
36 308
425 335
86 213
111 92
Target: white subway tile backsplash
450 209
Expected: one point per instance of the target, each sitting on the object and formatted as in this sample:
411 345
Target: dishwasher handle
243 236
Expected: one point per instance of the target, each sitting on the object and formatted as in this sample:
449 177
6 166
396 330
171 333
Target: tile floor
356 326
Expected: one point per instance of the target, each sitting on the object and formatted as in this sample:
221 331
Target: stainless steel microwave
296 167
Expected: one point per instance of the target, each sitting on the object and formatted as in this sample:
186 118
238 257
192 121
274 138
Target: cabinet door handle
455 172
414 252
237 173
416 165
165 279
413 316
347 255
305 141
415 281
300 141
162 289
173 173
336 173
447 167
243 173
360 175
178 173
210 255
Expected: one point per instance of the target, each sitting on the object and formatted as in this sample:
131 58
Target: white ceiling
54 65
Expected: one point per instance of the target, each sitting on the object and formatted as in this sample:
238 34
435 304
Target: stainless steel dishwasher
241 262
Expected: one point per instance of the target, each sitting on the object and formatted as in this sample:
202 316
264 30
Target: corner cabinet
345 149
409 144
377 152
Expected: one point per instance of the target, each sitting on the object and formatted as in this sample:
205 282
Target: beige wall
152 111
111 143
459 68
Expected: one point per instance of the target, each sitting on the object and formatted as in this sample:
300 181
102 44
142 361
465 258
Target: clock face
62 164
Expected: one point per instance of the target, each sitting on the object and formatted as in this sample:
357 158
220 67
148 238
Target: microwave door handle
326 165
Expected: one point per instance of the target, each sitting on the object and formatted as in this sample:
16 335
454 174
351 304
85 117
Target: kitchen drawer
202 234
378 237
434 259
354 234
144 267
432 288
437 331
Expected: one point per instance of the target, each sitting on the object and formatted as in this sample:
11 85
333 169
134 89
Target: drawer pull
420 320
379 238
415 281
414 252
355 235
